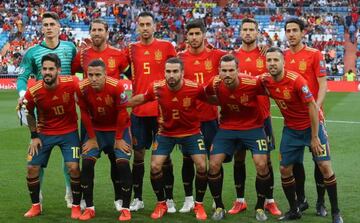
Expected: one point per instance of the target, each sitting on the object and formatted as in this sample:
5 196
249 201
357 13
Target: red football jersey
177 109
56 111
309 63
148 65
292 95
253 63
114 59
239 107
201 68
106 109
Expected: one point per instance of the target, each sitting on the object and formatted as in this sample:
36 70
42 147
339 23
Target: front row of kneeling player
103 103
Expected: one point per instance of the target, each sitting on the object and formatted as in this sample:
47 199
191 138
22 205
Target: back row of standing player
147 59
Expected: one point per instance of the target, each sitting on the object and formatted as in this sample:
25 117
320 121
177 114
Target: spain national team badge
66 97
287 94
244 99
111 63
259 63
108 100
208 65
186 102
29 157
302 66
158 55
155 145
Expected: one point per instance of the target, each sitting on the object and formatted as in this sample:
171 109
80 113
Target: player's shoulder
247 80
31 50
84 83
162 41
183 53
159 83
67 44
310 49
114 49
37 86
190 83
67 79
112 81
292 74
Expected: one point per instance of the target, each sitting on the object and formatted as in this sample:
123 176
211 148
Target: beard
172 82
49 80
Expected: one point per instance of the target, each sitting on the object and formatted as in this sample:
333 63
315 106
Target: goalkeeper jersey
31 62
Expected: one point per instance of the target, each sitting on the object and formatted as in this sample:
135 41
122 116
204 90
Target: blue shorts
190 145
293 143
209 129
227 141
69 144
269 133
106 141
143 130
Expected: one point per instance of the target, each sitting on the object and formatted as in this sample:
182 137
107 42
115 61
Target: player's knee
325 168
214 167
155 167
261 167
201 167
285 171
74 170
33 171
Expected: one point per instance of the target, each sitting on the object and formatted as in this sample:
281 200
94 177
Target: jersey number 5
146 68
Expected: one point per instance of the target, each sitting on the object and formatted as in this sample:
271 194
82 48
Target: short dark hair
296 20
249 20
229 58
275 49
196 23
175 60
146 14
53 58
101 21
97 63
52 15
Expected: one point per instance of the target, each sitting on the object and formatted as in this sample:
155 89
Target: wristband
34 135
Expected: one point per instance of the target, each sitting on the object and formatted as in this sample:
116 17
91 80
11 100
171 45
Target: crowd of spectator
21 19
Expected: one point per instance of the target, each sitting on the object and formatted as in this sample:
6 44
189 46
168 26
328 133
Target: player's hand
34 146
316 147
263 49
89 144
123 146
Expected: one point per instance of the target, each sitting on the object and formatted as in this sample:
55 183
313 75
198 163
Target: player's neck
147 41
248 47
52 43
297 48
197 50
100 48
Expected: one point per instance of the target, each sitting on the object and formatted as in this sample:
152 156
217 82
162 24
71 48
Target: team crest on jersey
66 97
287 94
208 65
108 100
302 66
158 55
244 99
155 145
111 63
29 157
259 63
186 102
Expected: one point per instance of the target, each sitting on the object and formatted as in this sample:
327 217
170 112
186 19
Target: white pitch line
326 120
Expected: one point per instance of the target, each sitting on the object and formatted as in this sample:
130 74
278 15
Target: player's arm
35 143
122 120
76 64
27 67
210 90
314 118
142 98
86 121
320 70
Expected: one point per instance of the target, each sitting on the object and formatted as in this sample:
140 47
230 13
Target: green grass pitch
15 200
